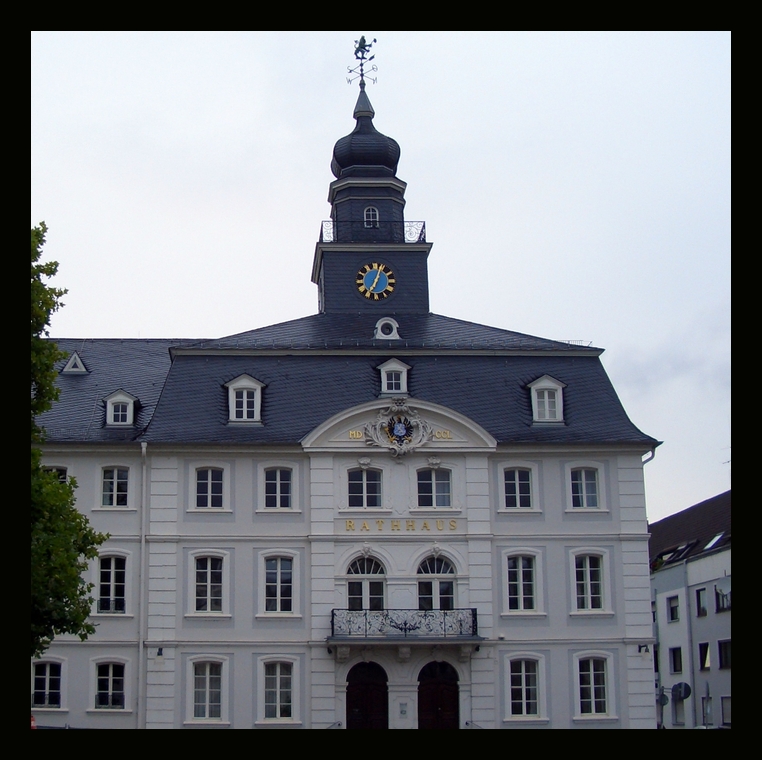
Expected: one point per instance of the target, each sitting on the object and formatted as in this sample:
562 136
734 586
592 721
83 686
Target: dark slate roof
690 531
303 391
481 372
136 366
417 331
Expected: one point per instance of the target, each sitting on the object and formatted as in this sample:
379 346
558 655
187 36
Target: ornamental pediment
399 426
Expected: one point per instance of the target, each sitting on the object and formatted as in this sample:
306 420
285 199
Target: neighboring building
690 586
374 516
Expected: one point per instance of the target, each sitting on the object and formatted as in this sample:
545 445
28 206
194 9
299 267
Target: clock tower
368 258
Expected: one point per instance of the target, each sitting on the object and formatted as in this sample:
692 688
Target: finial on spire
362 48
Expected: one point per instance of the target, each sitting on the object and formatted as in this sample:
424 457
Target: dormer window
547 400
393 378
120 409
245 399
371 217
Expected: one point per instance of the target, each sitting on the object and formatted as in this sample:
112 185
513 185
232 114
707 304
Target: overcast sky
576 186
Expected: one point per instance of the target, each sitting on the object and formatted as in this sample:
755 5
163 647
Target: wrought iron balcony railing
410 624
373 232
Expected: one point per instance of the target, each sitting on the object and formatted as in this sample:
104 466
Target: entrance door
438 696
367 696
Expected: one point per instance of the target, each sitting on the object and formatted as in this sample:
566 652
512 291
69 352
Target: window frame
724 654
437 579
264 471
600 479
262 586
244 383
198 465
193 597
606 607
294 689
543 385
673 609
364 579
436 475
61 664
365 470
609 685
115 494
112 554
95 664
190 689
371 218
704 656
675 656
539 661
538 582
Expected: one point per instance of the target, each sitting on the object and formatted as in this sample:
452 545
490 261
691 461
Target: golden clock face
375 281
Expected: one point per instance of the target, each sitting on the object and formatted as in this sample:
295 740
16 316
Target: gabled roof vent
75 365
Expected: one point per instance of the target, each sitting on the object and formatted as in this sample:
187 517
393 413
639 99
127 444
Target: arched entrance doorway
367 696
438 700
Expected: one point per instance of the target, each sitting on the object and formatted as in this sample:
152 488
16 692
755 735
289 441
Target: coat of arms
398 428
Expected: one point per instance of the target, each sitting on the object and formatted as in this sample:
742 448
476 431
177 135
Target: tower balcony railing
372 232
408 624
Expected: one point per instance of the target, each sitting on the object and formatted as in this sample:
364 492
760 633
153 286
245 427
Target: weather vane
362 48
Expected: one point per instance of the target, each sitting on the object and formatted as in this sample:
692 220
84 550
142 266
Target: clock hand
375 282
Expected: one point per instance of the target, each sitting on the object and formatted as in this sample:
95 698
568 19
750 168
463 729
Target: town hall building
372 517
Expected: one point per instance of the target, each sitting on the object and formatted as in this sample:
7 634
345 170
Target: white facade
561 592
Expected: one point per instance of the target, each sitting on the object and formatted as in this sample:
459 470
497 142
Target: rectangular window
673 609
278 584
518 493
365 595
278 690
111 584
47 685
704 663
721 600
584 483
207 690
119 413
209 584
706 711
245 408
592 686
723 648
110 686
59 472
589 582
278 489
524 687
725 706
114 487
364 488
209 488
393 381
546 405
521 583
676 660
700 602
434 488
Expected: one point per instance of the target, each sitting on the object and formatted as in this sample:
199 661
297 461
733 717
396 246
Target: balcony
410 625
376 232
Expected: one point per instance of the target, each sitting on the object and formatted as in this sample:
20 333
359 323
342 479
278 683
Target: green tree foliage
62 539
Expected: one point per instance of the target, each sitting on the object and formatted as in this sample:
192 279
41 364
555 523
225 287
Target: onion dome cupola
368 257
365 152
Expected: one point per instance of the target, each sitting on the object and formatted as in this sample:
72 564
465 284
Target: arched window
371 216
366 593
112 576
437 591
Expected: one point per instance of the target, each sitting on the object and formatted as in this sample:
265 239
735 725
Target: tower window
371 217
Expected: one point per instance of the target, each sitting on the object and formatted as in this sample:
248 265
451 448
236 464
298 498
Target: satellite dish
663 699
681 691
